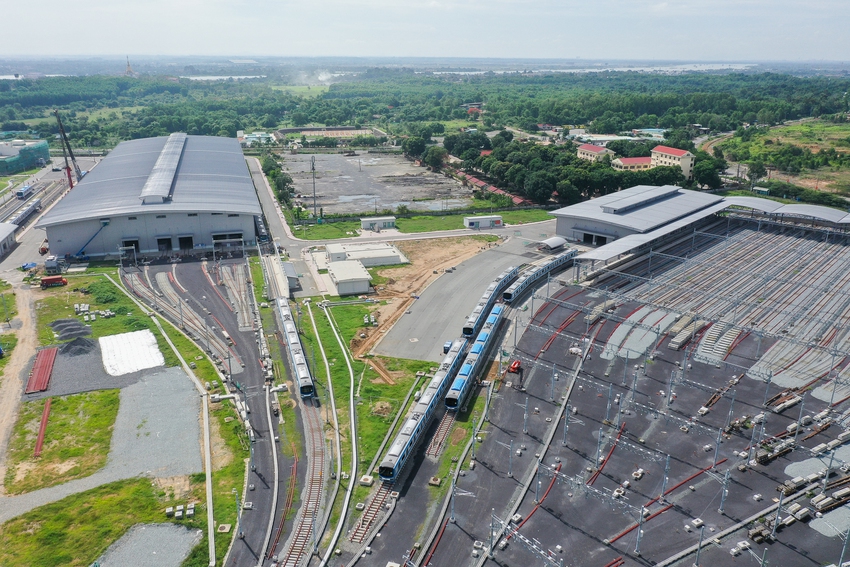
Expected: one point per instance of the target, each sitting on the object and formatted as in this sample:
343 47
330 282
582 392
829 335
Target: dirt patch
63 467
12 385
457 436
220 452
23 470
426 256
383 409
178 487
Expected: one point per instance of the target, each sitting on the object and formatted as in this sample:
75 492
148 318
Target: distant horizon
621 30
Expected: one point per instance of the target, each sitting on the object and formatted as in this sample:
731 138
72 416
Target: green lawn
76 441
8 342
76 530
58 303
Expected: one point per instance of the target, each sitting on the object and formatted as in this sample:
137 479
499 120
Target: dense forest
101 111
605 102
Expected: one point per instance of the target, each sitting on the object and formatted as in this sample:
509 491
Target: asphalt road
442 309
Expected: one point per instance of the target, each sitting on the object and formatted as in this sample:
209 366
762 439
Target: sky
683 30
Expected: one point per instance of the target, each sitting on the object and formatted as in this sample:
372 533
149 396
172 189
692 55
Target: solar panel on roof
161 178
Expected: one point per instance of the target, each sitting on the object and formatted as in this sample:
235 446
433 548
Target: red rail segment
39 443
42 369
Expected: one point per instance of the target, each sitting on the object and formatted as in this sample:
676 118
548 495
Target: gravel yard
79 368
156 434
366 182
152 545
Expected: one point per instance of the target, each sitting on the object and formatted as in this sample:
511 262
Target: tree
435 156
539 186
413 146
755 171
705 174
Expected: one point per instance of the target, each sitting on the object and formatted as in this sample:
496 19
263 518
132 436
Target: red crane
67 144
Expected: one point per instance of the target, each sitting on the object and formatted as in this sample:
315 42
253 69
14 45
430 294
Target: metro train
20 216
296 351
532 275
416 423
494 290
475 360
260 229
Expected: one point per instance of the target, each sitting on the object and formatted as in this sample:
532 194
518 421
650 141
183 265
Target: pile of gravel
70 329
78 347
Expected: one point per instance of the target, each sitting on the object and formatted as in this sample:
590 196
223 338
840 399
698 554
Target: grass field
415 224
76 530
58 303
76 442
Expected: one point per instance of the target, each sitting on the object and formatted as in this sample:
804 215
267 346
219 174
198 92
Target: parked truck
53 281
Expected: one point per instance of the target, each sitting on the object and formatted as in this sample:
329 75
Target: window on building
193 214
232 215
131 218
160 216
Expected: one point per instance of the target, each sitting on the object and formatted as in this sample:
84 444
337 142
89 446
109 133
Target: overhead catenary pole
313 169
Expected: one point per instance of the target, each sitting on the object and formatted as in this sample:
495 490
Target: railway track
171 305
233 276
303 535
435 447
370 514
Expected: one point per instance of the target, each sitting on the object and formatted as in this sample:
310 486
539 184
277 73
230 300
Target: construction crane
67 144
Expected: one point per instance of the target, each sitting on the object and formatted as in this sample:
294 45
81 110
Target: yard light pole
313 169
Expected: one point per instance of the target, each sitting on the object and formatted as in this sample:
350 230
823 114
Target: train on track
483 322
260 228
416 423
20 216
296 351
494 291
475 360
534 273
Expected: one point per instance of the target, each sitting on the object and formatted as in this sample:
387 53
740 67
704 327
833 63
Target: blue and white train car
302 376
416 423
475 360
533 274
494 290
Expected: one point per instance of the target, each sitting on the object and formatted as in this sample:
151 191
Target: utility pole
313 169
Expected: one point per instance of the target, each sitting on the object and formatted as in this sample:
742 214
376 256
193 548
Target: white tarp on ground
130 352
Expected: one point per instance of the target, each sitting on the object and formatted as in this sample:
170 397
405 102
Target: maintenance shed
7 237
486 221
349 277
370 254
291 274
173 195
636 210
377 223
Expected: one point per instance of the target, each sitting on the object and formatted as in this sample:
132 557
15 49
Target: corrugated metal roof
212 176
6 229
289 269
348 270
764 205
667 203
161 179
815 211
632 241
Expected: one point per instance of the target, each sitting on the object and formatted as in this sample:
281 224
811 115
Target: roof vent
160 184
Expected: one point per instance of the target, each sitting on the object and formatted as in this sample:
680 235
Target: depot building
167 196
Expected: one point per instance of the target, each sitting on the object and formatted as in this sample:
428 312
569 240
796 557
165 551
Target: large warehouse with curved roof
163 196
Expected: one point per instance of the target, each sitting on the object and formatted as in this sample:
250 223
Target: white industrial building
377 223
636 210
7 237
174 195
370 254
349 277
484 221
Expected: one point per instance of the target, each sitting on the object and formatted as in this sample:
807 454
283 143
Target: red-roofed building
632 163
486 152
665 156
593 153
